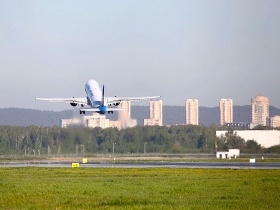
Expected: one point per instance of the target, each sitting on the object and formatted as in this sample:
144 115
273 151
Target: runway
230 165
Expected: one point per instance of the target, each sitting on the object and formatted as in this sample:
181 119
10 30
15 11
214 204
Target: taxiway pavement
232 165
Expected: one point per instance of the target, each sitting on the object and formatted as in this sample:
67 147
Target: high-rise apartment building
155 113
192 111
226 113
260 110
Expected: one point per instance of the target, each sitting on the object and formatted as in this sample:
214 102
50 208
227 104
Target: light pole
83 151
114 148
145 147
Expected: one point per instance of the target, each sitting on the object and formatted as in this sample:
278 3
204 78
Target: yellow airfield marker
75 165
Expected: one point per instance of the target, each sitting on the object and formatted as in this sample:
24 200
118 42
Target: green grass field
148 188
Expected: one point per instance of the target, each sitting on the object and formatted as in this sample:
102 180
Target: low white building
91 121
274 121
151 122
232 153
266 138
96 120
75 121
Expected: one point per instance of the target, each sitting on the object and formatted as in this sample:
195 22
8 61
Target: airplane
96 100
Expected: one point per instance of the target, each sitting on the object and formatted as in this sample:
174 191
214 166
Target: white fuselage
94 93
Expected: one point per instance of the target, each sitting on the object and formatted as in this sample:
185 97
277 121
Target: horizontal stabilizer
115 109
90 110
97 109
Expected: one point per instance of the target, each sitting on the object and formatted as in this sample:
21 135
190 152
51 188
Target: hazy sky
207 50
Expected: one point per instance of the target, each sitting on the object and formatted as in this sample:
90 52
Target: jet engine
73 104
116 104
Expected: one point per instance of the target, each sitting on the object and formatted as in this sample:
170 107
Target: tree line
35 140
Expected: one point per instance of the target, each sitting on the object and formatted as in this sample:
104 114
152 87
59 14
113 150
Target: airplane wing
119 99
65 100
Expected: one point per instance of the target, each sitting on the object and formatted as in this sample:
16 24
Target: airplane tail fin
103 96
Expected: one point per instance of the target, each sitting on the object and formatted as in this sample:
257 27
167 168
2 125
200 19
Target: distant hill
26 117
171 115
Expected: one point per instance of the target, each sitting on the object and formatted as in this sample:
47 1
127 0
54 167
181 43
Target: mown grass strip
149 188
